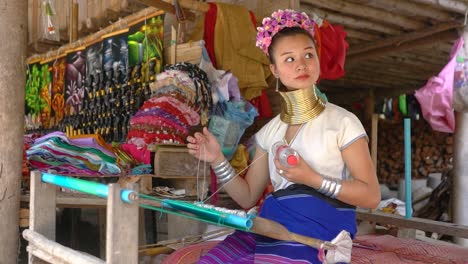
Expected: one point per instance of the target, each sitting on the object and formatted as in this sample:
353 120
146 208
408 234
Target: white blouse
319 142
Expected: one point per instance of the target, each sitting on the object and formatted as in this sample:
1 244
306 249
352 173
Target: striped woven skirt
301 210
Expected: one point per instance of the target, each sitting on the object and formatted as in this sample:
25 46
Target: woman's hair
286 32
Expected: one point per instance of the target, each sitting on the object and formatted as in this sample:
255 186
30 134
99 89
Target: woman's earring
277 84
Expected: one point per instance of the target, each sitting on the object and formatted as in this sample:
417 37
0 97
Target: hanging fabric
435 97
332 47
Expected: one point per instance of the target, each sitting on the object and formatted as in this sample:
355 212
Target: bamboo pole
367 12
121 24
50 250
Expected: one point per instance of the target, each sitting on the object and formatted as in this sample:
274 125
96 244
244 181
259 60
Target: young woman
334 173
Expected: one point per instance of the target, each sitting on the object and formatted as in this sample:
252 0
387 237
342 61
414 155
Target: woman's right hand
205 147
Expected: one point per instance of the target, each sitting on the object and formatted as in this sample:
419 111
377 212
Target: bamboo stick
44 248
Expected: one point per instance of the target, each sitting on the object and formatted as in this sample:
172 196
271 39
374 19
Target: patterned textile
301 210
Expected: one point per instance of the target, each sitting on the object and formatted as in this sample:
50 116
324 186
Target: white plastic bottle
285 154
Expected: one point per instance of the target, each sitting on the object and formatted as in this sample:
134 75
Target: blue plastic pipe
89 187
408 198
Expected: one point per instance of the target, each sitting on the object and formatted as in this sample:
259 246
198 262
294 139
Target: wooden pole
42 210
53 252
122 228
374 138
13 30
460 168
73 21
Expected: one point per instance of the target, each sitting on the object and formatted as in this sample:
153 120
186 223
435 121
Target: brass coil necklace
300 106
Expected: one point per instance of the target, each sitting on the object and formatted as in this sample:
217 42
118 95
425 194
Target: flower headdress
279 20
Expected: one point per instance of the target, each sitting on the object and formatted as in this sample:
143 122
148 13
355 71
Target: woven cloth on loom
389 249
384 249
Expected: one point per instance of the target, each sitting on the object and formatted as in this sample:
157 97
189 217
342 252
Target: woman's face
296 62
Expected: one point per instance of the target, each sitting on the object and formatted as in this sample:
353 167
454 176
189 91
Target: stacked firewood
431 151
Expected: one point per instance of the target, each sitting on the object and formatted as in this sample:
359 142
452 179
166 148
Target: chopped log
430 151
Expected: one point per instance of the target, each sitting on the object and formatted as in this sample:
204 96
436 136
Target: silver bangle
224 171
228 178
337 190
224 174
221 165
330 187
331 190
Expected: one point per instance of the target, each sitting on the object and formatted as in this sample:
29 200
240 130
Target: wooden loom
121 238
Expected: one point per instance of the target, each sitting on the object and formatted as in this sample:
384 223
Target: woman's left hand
300 173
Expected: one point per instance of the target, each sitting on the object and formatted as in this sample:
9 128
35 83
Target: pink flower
290 23
279 20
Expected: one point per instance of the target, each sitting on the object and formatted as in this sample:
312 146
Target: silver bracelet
330 187
224 171
221 165
337 190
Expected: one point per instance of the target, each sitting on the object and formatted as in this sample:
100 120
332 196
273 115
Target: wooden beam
452 5
408 8
367 12
399 40
357 34
163 5
350 22
414 223
391 69
427 41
